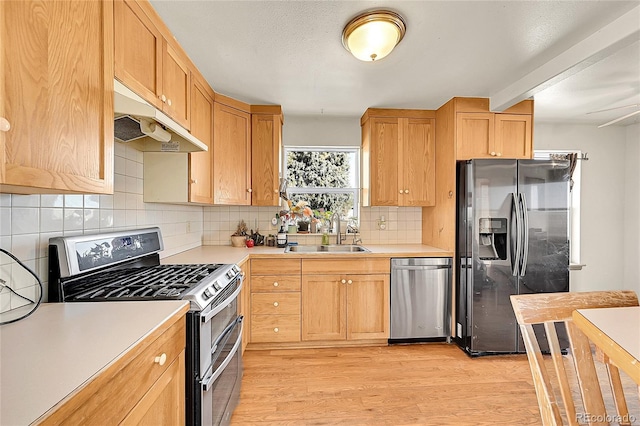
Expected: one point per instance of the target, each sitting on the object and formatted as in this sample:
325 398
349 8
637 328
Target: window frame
327 190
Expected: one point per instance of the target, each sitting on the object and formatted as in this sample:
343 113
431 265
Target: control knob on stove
216 285
207 294
230 274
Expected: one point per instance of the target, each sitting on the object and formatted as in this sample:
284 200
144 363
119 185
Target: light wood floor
430 384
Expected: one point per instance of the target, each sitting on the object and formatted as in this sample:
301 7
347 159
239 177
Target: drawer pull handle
275 330
161 359
275 284
275 304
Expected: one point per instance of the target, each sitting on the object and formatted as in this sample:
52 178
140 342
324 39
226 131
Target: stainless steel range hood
147 128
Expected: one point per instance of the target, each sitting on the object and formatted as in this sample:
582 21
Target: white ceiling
290 53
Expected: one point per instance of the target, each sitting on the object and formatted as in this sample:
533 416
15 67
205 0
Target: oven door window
221 386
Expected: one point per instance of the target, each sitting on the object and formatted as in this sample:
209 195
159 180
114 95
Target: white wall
632 209
603 198
321 130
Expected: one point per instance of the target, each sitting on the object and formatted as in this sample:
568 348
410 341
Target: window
574 201
327 178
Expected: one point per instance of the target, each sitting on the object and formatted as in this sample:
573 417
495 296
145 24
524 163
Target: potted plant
239 238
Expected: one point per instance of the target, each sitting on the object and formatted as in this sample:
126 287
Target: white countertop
229 254
62 346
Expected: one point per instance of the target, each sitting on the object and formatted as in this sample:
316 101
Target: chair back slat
586 374
561 372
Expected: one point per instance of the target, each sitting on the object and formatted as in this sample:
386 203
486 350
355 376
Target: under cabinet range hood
146 127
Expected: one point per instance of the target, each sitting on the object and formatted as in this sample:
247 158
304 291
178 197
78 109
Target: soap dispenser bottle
281 239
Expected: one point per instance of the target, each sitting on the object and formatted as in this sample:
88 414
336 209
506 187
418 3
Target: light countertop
229 254
59 348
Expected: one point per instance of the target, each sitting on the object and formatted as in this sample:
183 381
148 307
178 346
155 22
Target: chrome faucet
335 218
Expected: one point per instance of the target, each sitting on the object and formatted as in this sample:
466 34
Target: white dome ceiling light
372 35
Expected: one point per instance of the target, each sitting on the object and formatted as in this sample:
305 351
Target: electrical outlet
382 224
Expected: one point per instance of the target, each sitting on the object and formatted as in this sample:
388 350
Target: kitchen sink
327 249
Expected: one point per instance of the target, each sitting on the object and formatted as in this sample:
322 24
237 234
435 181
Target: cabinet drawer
275 266
274 283
275 328
108 398
374 265
275 303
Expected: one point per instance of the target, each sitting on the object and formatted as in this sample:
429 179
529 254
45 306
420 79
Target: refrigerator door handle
525 240
515 251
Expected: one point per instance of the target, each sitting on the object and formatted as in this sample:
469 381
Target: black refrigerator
512 238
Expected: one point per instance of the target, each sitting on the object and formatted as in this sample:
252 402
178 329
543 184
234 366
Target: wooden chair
551 308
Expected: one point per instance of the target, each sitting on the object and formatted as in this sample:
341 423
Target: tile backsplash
28 221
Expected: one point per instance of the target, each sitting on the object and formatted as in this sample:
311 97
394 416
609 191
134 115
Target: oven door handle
224 333
206 384
224 304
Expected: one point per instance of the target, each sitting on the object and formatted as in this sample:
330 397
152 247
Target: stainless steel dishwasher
420 299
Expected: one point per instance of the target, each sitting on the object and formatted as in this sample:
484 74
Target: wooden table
616 331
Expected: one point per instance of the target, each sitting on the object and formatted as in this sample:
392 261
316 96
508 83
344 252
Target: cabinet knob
343 281
349 282
161 359
499 154
493 153
406 191
276 191
163 98
4 125
193 181
169 102
400 191
275 284
275 330
450 194
276 304
249 190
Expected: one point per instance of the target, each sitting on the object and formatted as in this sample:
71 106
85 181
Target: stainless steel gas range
125 265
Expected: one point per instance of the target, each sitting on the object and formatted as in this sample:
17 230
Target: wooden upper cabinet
149 63
513 135
266 152
398 156
384 161
201 163
493 135
475 135
231 155
138 51
56 92
176 85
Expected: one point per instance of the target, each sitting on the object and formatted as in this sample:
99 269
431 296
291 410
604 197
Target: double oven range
122 266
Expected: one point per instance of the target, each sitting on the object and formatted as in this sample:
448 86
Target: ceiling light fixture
372 35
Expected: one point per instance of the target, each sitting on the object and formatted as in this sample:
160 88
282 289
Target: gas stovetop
154 282
125 266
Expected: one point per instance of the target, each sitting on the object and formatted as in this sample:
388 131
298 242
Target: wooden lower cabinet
145 386
244 308
275 301
345 307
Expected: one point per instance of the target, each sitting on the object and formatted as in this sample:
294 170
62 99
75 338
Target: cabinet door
383 165
475 135
138 51
368 307
56 91
266 142
513 136
201 163
418 162
323 307
231 156
163 404
176 85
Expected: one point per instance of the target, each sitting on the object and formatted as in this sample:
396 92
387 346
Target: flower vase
303 227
